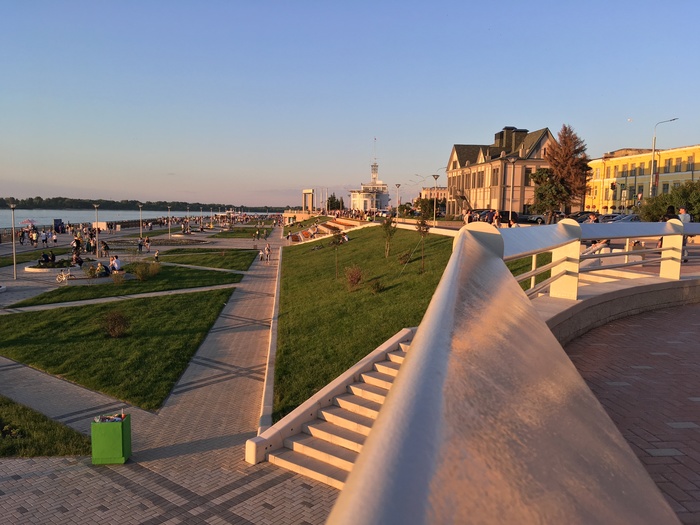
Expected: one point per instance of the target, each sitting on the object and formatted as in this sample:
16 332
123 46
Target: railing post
673 252
566 286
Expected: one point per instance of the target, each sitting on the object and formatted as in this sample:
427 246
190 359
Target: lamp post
436 177
14 253
97 233
169 222
140 220
653 151
397 202
512 161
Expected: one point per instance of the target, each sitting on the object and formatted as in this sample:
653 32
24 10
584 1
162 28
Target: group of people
115 265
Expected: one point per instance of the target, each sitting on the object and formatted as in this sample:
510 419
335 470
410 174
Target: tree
389 229
568 163
422 228
550 192
686 195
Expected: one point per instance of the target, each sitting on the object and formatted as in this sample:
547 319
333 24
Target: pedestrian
54 238
685 219
147 242
140 245
155 255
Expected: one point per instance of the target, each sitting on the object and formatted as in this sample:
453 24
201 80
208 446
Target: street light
97 233
169 222
14 253
140 220
512 161
653 151
436 177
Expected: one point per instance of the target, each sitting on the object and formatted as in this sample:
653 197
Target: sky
250 102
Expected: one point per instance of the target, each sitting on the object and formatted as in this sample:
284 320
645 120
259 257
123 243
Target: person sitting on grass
115 264
101 270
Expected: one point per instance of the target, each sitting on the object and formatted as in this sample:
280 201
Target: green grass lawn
169 278
324 328
297 226
31 256
242 233
225 259
26 433
140 368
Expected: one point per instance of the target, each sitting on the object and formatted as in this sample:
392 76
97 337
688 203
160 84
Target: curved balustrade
488 420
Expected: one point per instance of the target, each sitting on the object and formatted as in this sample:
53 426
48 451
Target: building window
691 163
624 170
664 188
676 184
667 166
607 172
454 164
678 164
597 173
640 190
495 177
528 179
615 172
641 169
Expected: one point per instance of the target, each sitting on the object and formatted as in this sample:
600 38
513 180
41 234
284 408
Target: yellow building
623 178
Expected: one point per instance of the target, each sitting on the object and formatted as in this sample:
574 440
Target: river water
46 217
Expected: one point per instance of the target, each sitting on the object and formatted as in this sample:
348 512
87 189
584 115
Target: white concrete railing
488 421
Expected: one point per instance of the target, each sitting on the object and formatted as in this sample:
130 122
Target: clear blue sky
249 102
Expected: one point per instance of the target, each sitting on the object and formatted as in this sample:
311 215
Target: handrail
488 420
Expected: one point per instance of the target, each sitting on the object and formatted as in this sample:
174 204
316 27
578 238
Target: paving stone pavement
188 458
645 371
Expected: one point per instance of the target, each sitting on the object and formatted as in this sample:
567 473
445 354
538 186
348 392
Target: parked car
504 216
608 217
632 217
541 218
582 215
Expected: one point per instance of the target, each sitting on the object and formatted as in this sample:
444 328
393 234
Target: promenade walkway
188 467
187 464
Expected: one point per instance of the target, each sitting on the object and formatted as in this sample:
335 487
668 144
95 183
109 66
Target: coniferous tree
568 162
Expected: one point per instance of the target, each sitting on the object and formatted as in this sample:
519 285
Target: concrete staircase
326 449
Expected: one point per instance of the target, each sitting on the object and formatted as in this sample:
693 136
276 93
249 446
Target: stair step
387 367
335 434
308 466
346 419
321 450
367 391
358 405
404 346
378 379
397 356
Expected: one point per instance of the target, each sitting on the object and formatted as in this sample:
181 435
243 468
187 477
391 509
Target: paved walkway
645 371
187 464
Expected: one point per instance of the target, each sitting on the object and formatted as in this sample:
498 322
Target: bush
145 271
117 278
376 286
115 324
353 275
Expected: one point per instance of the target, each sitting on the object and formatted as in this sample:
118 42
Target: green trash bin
111 440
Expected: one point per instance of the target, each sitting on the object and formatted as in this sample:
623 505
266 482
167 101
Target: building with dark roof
496 175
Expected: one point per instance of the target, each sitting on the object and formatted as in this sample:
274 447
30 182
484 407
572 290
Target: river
46 217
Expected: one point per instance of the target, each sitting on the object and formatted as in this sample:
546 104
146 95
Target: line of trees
67 203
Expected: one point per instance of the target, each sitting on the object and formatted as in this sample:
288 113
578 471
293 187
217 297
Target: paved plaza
187 464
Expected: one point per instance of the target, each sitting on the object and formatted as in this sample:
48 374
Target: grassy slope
324 328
